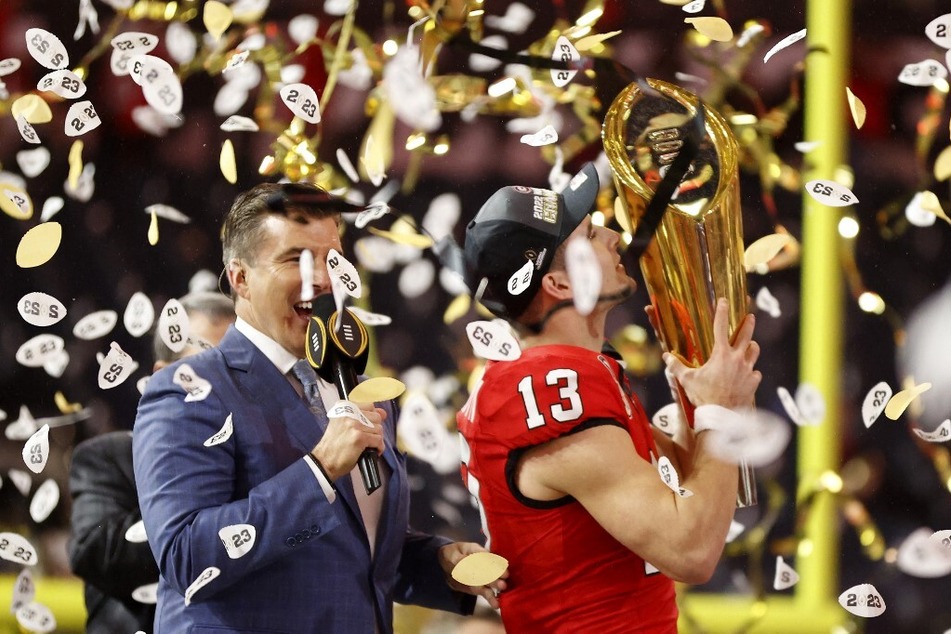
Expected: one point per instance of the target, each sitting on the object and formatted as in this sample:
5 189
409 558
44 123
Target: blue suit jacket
309 569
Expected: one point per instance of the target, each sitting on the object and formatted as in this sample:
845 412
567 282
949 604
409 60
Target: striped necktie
308 378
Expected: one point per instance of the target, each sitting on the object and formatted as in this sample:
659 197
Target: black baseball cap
518 225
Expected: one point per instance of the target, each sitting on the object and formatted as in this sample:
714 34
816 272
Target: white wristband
711 417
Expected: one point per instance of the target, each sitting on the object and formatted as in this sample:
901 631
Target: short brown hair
241 230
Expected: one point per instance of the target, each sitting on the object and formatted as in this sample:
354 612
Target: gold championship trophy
696 255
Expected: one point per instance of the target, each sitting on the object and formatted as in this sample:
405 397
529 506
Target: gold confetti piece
901 400
33 108
376 390
942 164
227 163
929 201
589 42
457 308
765 249
621 215
15 202
217 18
153 229
75 163
63 404
411 239
857 108
479 569
717 29
39 244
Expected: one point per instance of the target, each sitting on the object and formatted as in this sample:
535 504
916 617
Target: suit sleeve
104 507
421 580
187 490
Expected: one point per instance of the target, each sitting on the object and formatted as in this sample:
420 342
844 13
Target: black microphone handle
345 378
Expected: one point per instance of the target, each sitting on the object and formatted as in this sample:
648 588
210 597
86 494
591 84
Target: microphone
339 355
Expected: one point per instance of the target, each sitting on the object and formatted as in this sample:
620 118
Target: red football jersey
566 573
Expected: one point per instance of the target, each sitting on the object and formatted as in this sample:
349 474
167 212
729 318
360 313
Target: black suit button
290 541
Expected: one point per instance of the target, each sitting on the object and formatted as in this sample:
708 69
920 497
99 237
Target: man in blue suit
253 505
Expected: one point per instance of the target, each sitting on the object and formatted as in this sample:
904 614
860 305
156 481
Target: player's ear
237 277
557 285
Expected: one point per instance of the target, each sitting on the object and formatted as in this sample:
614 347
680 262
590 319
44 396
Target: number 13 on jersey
567 409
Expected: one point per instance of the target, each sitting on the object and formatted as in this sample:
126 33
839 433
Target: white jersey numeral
569 408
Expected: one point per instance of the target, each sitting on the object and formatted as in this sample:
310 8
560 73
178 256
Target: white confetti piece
376 254
923 73
789 404
134 42
173 325
301 99
56 364
516 19
33 162
9 65
811 404
347 409
238 539
784 43
306 264
136 533
168 212
545 136
942 538
116 367
372 212
831 193
36 617
941 434
196 388
46 49
785 576
17 549
370 319
207 575
95 325
36 451
564 51
342 271
584 271
669 477
806 146
302 28
420 429
521 279
40 309
44 500
483 63
64 83
20 479
147 594
493 340
668 419
16 202
51 206
223 434
237 123
923 557
160 85
767 303
81 118
27 131
84 188
939 30
141 384
757 437
919 210
24 590
412 98
695 7
875 402
442 215
862 600
34 352
235 61
337 7
417 278
180 42
139 314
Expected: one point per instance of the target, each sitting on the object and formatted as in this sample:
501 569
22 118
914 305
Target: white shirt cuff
321 479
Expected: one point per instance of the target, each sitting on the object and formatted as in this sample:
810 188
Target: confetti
75 163
669 476
412 98
942 164
207 575
416 278
584 272
44 501
115 367
757 437
86 185
479 569
374 160
901 400
136 533
694 7
874 403
227 162
377 390
806 146
173 325
404 237
516 19
757 255
919 210
32 108
51 206
857 108
95 325
785 576
302 28
483 63
81 118
134 42
301 100
139 314
493 340
442 215
521 279
20 479
147 594
21 429
420 429
46 49
37 449
196 388
306 265
235 61
668 419
17 549
24 589
337 7
586 43
923 557
63 404
33 162
372 212
767 303
40 309
238 539
370 319
791 407
784 43
34 352
347 409
153 234
811 404
458 307
237 123
717 29
862 600
161 87
222 434
16 202
564 51
27 132
217 18
344 273
941 434
56 364
831 193
63 83
939 31
9 65
545 136
180 42
36 617
923 73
